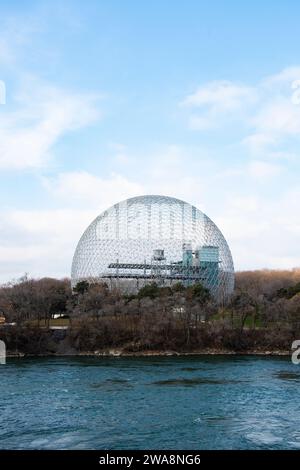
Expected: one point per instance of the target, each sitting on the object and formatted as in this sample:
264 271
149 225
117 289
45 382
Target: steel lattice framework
155 238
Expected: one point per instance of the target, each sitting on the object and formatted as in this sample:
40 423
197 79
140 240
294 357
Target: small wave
265 438
111 383
211 419
195 381
285 375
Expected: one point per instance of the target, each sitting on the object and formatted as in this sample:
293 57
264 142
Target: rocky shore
123 353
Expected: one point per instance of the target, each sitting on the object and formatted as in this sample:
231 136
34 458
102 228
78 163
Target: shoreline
120 353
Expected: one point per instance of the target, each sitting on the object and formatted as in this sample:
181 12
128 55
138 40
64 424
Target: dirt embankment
34 341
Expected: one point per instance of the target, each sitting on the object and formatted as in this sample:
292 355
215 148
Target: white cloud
89 190
42 115
160 173
259 142
278 117
278 113
267 113
216 101
5 53
262 170
241 226
285 77
221 95
120 154
40 242
262 233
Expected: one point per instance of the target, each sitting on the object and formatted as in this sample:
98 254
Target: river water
204 402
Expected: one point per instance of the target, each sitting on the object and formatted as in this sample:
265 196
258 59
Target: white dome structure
154 239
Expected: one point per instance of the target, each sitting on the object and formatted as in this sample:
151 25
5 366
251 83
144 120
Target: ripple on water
287 375
264 438
212 419
112 383
194 381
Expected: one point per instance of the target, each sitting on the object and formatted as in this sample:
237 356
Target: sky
108 99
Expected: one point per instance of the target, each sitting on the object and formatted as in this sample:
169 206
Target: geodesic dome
154 238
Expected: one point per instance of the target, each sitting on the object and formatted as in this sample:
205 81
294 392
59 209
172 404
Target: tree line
263 313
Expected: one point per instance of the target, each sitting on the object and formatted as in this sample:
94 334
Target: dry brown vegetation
263 314
266 281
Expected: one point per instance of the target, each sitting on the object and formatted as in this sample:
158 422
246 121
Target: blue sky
110 99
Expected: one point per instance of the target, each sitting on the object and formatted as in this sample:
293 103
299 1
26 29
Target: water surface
204 402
